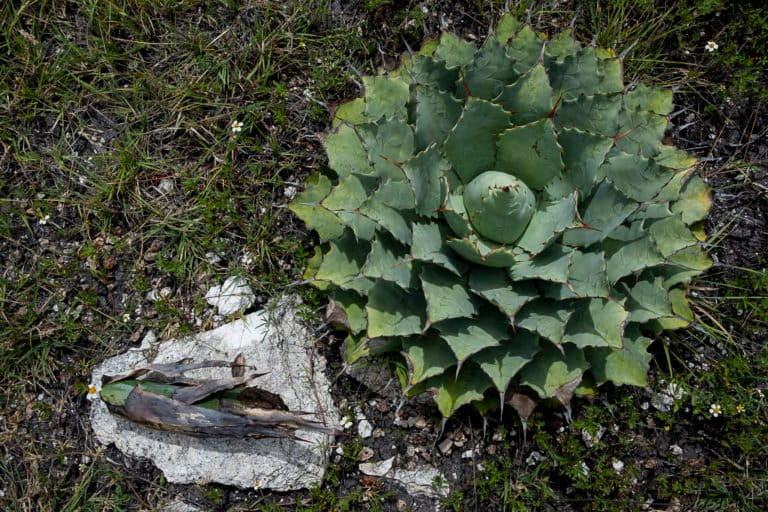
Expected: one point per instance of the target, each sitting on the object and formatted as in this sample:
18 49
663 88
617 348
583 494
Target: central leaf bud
499 206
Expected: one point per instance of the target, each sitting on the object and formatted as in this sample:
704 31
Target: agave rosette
506 217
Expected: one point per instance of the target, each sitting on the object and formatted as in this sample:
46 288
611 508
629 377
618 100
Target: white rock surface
232 296
422 481
379 468
179 506
272 340
364 429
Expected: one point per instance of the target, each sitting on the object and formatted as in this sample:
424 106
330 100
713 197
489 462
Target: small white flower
126 317
618 466
44 219
715 410
257 485
711 46
676 450
93 392
584 468
290 191
340 450
237 126
346 422
759 393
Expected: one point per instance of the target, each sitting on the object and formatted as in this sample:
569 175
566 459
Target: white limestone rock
423 480
272 340
232 296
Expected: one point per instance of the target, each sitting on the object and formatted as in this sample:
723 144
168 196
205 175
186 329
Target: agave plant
506 218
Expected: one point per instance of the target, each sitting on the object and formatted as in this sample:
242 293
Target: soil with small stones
730 136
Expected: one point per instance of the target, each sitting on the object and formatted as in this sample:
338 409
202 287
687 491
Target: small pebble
365 454
445 446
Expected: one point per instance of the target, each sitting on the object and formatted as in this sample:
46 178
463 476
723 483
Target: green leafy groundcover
506 218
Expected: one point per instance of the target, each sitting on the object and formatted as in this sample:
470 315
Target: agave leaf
506 28
350 113
552 369
530 98
467 338
455 213
576 74
344 261
674 158
191 394
395 194
583 154
692 258
626 365
388 143
550 219
650 99
393 311
210 408
363 227
486 75
349 194
483 252
525 49
640 132
632 257
385 97
606 209
636 177
671 235
355 348
388 260
683 315
494 285
307 207
425 173
436 112
392 220
550 265
447 295
561 46
454 51
163 413
432 73
346 153
523 404
471 145
468 386
347 308
530 152
596 323
586 275
503 362
695 200
428 246
598 114
426 356
611 73
647 300
313 264
546 317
